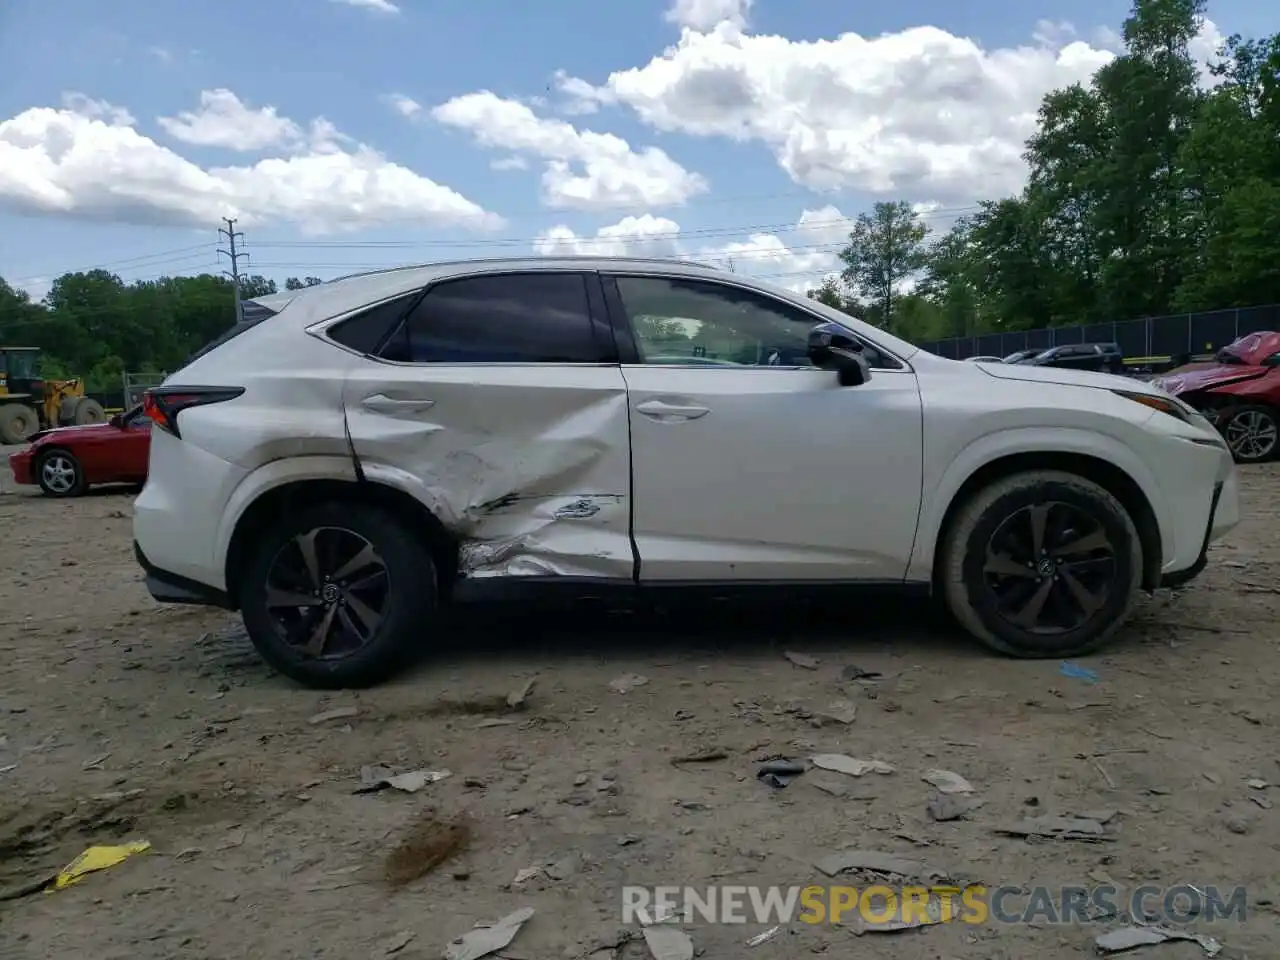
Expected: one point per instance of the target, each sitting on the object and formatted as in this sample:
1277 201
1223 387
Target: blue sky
753 129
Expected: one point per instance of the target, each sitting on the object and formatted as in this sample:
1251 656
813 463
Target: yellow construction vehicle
29 403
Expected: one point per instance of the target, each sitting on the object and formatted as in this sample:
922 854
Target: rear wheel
1252 432
88 410
1042 564
17 422
60 475
338 595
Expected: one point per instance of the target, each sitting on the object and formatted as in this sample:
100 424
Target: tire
1253 433
17 422
59 474
994 510
88 410
405 599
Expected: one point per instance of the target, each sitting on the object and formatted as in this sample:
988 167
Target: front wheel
338 595
1251 433
1042 564
60 475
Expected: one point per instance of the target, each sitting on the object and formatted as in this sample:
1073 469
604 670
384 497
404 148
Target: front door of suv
748 462
499 404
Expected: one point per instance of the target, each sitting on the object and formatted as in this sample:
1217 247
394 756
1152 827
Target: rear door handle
381 403
661 410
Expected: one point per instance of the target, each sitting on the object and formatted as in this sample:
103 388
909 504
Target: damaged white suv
358 453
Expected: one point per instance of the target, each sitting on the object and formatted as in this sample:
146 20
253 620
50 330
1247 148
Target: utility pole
234 255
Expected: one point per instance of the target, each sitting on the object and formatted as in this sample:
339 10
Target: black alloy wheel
327 591
1050 567
339 594
1252 433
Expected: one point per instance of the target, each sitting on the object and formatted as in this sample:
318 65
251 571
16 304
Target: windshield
1227 355
22 364
1019 355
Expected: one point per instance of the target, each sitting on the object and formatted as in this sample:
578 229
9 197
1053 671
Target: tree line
94 325
1146 195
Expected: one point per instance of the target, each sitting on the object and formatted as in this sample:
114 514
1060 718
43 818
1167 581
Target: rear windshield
252 314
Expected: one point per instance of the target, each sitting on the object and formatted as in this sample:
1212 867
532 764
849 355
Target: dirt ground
121 719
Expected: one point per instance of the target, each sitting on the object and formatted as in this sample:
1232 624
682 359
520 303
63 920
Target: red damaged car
68 460
1239 391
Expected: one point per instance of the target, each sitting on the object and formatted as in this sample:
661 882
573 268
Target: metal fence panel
1169 336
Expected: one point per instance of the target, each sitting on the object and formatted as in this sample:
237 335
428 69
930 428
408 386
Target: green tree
885 247
293 283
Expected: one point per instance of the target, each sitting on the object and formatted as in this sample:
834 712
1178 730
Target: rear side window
366 331
501 318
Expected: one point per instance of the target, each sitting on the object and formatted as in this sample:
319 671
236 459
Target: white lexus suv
357 454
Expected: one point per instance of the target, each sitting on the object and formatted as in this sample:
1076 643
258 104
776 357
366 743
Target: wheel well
291 497
1106 475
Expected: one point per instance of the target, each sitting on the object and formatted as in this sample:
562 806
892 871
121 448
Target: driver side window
697 323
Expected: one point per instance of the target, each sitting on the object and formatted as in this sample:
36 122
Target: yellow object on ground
94 859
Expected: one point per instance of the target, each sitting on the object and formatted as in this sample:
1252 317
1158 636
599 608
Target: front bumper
20 463
167 587
1181 577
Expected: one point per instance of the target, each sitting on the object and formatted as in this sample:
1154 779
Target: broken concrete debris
947 782
1059 828
870 860
373 779
339 713
948 806
1130 938
627 682
667 941
839 763
779 773
760 938
802 660
837 711
516 698
487 940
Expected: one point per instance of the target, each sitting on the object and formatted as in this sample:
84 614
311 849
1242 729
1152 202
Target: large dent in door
532 494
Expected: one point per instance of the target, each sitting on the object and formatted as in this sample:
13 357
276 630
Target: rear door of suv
498 401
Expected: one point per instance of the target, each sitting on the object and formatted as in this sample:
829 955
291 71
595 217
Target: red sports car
1239 390
66 461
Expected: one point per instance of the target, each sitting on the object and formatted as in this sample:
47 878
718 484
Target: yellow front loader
29 403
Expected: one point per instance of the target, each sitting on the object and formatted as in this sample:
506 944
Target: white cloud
644 236
223 120
795 255
510 163
87 161
703 15
918 113
377 6
407 107
584 170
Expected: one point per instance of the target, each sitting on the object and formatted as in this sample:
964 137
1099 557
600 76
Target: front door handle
661 410
381 403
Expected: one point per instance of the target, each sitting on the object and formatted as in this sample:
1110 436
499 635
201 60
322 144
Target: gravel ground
120 719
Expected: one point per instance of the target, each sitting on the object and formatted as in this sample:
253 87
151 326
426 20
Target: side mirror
832 348
117 421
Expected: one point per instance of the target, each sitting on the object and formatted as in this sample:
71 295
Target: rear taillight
163 404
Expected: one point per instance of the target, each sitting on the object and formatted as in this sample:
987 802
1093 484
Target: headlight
1175 408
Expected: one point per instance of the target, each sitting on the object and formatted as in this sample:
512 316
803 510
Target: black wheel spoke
310 557
1003 565
290 598
327 592
367 557
320 634
1039 518
1089 602
1028 613
1097 540
1050 567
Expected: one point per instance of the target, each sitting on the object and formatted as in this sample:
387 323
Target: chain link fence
1170 336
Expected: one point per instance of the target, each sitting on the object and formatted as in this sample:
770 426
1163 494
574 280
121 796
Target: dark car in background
1103 357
